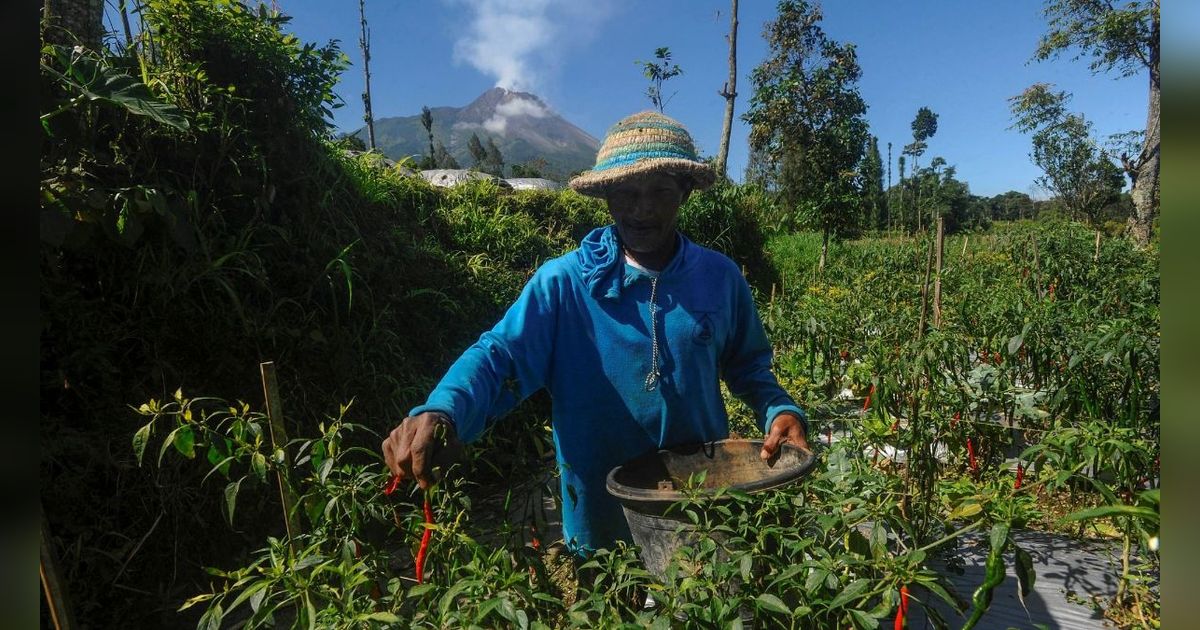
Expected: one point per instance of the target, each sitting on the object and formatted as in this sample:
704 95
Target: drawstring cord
652 378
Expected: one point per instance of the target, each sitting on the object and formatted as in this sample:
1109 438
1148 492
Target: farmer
630 333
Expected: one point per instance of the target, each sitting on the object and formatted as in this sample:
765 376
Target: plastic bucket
648 485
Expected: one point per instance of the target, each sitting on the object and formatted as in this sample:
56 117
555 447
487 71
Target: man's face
645 210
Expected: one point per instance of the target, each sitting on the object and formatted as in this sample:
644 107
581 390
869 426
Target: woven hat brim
593 183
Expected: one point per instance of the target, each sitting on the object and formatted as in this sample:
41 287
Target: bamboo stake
925 290
937 282
279 440
966 239
52 586
1037 268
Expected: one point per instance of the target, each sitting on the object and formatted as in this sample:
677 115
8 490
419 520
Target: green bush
734 220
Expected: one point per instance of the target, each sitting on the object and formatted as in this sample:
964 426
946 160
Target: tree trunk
824 248
1144 172
729 92
70 22
365 42
888 200
125 23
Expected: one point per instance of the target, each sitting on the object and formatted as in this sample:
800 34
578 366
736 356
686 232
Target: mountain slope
518 122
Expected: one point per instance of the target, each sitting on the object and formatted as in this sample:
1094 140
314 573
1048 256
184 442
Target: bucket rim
629 494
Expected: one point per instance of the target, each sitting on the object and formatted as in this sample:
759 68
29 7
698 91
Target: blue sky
963 59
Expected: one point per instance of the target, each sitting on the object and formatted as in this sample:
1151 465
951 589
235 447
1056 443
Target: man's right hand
418 444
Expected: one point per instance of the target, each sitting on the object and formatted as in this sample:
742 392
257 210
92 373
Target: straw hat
646 142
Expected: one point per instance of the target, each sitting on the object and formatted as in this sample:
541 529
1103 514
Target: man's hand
786 428
418 444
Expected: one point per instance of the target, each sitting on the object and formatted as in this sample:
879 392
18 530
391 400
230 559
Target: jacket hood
602 265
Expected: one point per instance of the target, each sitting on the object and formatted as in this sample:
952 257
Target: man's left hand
786 428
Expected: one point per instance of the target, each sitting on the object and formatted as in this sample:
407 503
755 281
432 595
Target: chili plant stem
951 536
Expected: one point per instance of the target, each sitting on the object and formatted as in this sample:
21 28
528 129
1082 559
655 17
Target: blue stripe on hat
630 158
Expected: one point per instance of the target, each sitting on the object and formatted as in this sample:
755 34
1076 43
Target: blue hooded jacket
581 328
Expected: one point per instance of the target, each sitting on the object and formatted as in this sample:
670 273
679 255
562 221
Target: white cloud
517 41
518 106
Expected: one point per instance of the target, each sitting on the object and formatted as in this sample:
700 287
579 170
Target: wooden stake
965 240
279 440
937 282
56 595
925 291
1037 267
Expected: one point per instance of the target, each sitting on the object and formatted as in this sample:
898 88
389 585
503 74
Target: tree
729 92
760 171
442 157
478 153
364 41
809 118
924 126
1126 40
658 72
531 168
1076 169
427 123
354 142
872 175
495 159
1011 206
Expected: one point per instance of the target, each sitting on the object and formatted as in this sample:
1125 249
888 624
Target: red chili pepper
971 456
867 402
536 544
997 358
955 419
391 487
1020 476
902 612
424 541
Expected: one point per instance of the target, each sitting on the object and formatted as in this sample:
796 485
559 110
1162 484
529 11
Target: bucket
648 485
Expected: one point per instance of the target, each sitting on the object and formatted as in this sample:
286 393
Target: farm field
1050 364
237 306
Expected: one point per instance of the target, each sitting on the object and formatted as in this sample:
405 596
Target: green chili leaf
769 602
139 441
852 592
231 492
